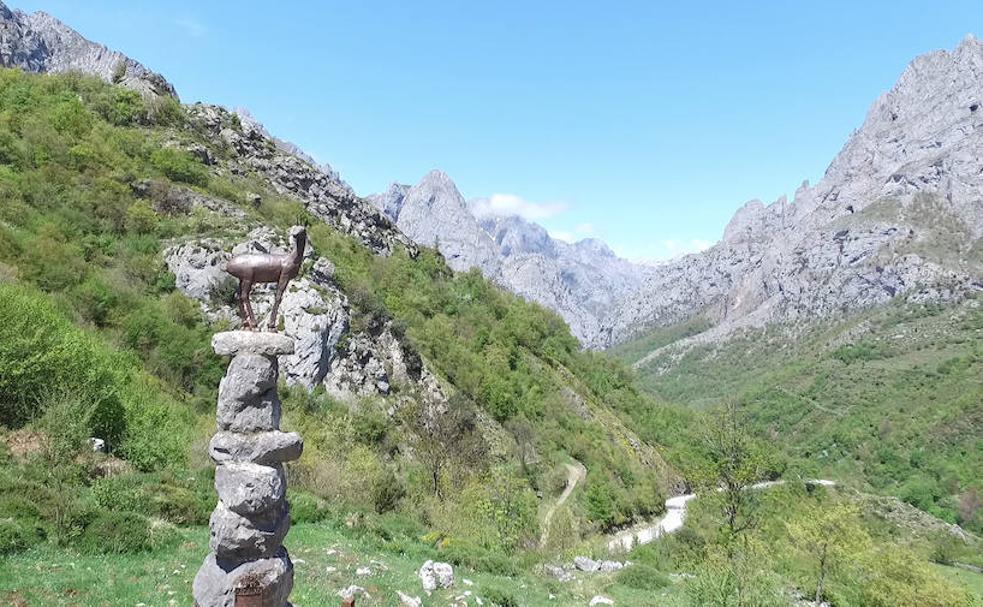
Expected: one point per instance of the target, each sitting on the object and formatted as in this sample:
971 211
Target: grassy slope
83 256
155 578
890 399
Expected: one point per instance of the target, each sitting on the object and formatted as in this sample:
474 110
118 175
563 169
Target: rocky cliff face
253 151
37 42
580 281
899 212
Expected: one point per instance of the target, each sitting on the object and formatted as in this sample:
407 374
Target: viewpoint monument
248 565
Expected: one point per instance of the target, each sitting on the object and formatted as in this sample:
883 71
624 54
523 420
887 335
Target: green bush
179 166
162 495
387 491
16 536
500 597
643 577
117 533
40 349
480 559
306 508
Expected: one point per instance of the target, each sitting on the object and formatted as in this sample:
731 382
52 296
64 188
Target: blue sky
643 123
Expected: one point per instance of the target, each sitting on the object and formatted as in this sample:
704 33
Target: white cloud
510 204
578 233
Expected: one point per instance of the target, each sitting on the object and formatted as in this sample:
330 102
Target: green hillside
890 400
92 315
96 341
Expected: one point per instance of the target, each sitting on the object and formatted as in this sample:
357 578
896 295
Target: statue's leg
281 286
250 320
239 302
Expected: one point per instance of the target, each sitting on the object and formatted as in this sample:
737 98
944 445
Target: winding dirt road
576 472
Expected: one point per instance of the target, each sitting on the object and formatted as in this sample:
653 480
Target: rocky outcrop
316 315
37 42
583 281
252 150
252 517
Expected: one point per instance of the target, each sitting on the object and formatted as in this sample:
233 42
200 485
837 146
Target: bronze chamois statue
253 267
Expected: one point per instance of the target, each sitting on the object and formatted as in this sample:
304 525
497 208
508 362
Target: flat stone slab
218 581
273 447
230 343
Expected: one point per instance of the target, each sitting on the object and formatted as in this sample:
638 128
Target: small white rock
352 592
409 601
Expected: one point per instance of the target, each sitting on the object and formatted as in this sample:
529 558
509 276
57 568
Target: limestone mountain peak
38 42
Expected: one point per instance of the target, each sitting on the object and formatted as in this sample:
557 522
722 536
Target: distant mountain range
899 212
582 281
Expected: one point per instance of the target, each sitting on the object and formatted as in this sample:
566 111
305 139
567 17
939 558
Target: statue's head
298 234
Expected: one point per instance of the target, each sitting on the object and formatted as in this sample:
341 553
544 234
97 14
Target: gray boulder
584 563
239 538
218 580
435 575
260 413
249 489
247 377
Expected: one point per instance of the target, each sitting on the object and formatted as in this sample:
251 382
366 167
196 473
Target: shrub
466 554
179 501
643 577
306 508
39 349
720 582
67 423
387 491
897 577
179 166
17 535
117 533
500 597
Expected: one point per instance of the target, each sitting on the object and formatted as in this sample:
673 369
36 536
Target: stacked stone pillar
248 559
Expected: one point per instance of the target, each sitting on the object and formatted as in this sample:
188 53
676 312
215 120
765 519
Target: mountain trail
576 472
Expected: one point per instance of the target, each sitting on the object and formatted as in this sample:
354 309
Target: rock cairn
248 525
